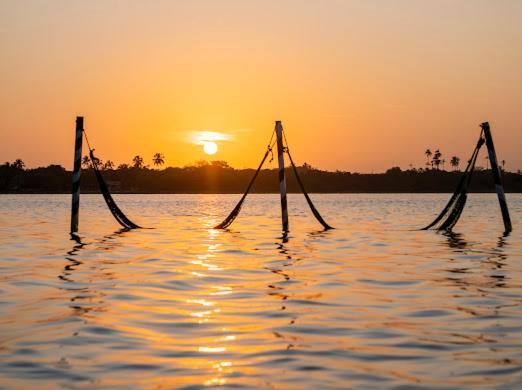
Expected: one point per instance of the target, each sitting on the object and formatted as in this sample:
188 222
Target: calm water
372 304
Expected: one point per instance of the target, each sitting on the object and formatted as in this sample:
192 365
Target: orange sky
359 85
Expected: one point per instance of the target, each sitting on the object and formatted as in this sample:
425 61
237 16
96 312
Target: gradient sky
359 85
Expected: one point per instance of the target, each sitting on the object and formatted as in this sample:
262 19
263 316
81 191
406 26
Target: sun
210 147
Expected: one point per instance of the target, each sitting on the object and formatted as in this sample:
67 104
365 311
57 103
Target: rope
120 217
87 139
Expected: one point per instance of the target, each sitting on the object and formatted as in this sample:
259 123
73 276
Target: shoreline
223 180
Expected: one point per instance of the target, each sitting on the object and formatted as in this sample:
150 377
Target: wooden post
77 170
495 170
282 177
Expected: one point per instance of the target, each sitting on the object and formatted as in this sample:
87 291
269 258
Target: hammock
232 216
453 209
228 220
120 217
113 207
308 200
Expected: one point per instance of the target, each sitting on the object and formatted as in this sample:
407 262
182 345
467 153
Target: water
371 304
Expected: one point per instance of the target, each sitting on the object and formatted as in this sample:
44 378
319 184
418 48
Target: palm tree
487 162
18 164
503 162
443 163
108 165
86 162
158 159
436 158
428 154
137 161
454 162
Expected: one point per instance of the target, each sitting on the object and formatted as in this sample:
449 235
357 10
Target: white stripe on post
282 177
77 170
495 170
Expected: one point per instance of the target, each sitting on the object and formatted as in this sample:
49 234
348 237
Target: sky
358 85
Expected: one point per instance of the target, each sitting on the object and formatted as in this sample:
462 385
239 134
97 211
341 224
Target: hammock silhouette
451 213
118 215
235 211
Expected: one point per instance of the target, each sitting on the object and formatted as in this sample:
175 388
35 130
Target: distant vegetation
219 177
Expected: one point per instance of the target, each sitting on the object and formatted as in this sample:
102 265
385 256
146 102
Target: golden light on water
212 349
201 302
183 306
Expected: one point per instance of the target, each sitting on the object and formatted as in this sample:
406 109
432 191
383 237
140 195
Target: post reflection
279 289
490 267
78 292
496 262
455 240
84 298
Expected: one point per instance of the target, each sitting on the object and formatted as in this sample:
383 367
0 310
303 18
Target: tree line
137 162
435 160
219 177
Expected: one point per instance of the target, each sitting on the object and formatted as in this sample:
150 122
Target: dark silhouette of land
218 177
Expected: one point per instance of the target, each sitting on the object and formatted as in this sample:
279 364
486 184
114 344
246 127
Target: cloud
200 137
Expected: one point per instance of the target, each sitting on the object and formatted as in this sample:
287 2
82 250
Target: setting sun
210 147
208 139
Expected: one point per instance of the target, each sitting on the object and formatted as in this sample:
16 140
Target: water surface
374 303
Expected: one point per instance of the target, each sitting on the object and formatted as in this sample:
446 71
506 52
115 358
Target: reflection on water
373 303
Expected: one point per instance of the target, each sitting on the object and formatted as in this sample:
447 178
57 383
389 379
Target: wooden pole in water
75 209
495 170
282 177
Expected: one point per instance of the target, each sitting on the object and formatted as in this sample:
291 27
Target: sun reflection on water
207 262
362 306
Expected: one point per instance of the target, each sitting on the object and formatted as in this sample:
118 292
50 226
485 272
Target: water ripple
371 304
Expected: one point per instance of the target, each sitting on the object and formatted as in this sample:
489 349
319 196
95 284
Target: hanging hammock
120 217
307 197
453 209
232 216
228 220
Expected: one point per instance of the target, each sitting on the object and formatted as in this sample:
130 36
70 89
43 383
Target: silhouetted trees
158 159
437 158
137 161
98 161
454 162
86 162
220 164
428 154
108 165
219 177
18 164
